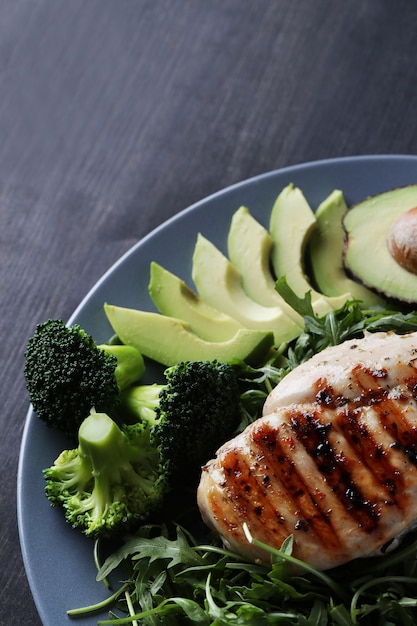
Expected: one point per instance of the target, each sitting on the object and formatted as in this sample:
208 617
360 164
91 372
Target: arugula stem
97 561
339 591
354 611
100 605
130 607
166 606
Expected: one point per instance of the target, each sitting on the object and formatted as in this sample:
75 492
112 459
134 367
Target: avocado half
381 243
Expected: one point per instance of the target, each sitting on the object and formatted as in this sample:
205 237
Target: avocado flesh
291 225
367 256
220 285
249 247
173 297
326 253
168 340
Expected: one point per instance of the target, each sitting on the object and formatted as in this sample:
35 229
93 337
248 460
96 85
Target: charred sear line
395 422
409 451
271 444
370 377
327 397
247 492
336 468
370 453
369 380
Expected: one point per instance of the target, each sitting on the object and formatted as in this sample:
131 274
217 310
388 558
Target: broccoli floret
67 374
138 403
113 481
192 414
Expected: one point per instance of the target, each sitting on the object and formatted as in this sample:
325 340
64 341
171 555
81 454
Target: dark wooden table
117 114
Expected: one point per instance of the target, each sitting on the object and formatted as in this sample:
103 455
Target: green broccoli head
198 410
193 413
67 374
112 482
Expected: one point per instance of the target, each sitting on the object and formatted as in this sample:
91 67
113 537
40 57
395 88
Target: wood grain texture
116 114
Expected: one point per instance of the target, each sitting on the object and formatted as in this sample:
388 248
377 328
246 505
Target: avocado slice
249 247
291 225
173 297
326 253
371 228
220 285
168 340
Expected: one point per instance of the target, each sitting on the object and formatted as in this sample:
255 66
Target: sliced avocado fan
220 285
249 247
173 297
291 224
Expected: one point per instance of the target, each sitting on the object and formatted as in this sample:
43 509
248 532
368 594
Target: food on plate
332 461
292 223
124 466
239 291
325 253
169 340
402 239
327 473
173 297
220 285
354 369
112 481
380 249
67 374
249 246
191 414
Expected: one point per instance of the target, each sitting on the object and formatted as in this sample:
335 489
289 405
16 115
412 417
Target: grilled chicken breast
333 460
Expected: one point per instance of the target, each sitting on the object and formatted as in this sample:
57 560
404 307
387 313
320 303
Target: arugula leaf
174 551
303 306
177 581
173 580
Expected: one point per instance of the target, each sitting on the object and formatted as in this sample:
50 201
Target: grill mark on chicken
389 359
246 488
252 489
394 420
336 467
371 453
363 381
390 416
369 382
277 452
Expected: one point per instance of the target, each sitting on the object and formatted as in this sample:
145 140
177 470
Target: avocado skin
168 340
366 254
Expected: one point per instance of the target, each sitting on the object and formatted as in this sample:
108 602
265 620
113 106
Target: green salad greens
175 572
176 580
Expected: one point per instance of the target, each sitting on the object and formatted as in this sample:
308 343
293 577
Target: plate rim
259 178
229 189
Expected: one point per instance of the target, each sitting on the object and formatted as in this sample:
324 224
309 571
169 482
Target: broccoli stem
130 364
112 481
100 439
107 450
138 403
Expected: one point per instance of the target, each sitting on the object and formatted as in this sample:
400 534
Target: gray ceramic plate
58 559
